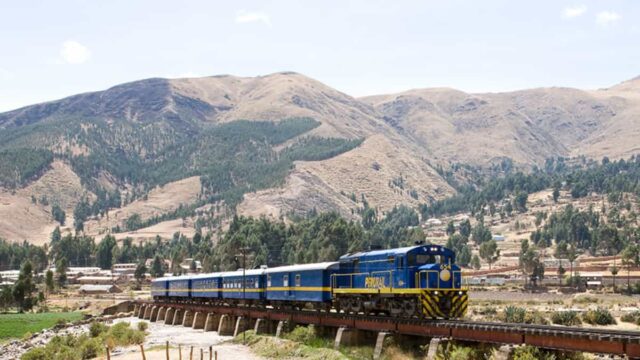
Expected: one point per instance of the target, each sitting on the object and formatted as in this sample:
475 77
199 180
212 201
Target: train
415 281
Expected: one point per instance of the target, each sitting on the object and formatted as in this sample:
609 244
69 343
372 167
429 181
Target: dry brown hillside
404 135
527 126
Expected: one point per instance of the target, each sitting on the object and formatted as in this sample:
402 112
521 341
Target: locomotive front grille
449 303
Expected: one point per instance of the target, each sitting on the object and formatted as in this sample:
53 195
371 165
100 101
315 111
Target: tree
139 274
630 257
58 214
451 228
24 288
481 233
6 297
61 270
530 263
464 257
561 272
614 271
465 228
475 262
520 201
489 252
157 267
56 235
49 282
556 194
104 252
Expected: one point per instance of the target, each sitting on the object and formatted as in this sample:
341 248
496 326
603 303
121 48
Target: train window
285 280
390 259
256 284
268 280
298 280
421 259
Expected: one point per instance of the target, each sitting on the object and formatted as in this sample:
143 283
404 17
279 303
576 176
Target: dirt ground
159 334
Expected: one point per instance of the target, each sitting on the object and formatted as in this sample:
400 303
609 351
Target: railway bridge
355 329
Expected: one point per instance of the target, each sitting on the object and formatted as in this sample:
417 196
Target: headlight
445 275
435 293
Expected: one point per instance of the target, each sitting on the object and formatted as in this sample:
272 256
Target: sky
53 49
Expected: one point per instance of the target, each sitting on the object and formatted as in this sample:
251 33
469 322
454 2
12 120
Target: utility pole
243 251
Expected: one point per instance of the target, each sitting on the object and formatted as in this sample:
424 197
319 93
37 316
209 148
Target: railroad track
593 340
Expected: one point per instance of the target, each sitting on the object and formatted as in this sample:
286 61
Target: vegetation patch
515 314
599 316
87 346
17 325
632 317
567 318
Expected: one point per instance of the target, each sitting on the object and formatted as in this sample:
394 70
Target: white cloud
72 52
607 17
5 74
244 17
574 11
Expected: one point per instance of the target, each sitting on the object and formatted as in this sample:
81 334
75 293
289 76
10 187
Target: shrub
514 314
460 353
599 316
26 336
40 353
91 348
632 317
97 328
567 318
535 317
143 326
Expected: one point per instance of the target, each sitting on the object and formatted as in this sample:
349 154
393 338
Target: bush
143 326
514 314
599 316
535 317
460 353
26 336
97 328
91 348
567 318
632 317
40 353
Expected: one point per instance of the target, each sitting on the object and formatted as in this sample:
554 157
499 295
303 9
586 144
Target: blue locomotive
421 280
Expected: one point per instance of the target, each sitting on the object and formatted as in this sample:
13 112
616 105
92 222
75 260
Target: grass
16 325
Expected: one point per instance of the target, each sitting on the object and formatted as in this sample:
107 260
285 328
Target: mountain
164 155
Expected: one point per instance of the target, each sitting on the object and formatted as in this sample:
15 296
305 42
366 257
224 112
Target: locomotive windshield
421 259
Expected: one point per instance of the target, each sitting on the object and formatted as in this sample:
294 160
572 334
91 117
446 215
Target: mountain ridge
393 148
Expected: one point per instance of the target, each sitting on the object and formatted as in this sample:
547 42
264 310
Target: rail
599 341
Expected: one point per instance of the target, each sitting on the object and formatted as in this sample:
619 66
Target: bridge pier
154 314
199 320
377 351
147 313
263 326
225 327
136 310
283 326
347 337
161 313
433 348
141 311
178 317
242 324
187 320
168 316
212 322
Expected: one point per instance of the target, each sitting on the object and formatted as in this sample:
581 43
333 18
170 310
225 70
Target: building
124 268
99 289
96 280
498 237
433 222
185 265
